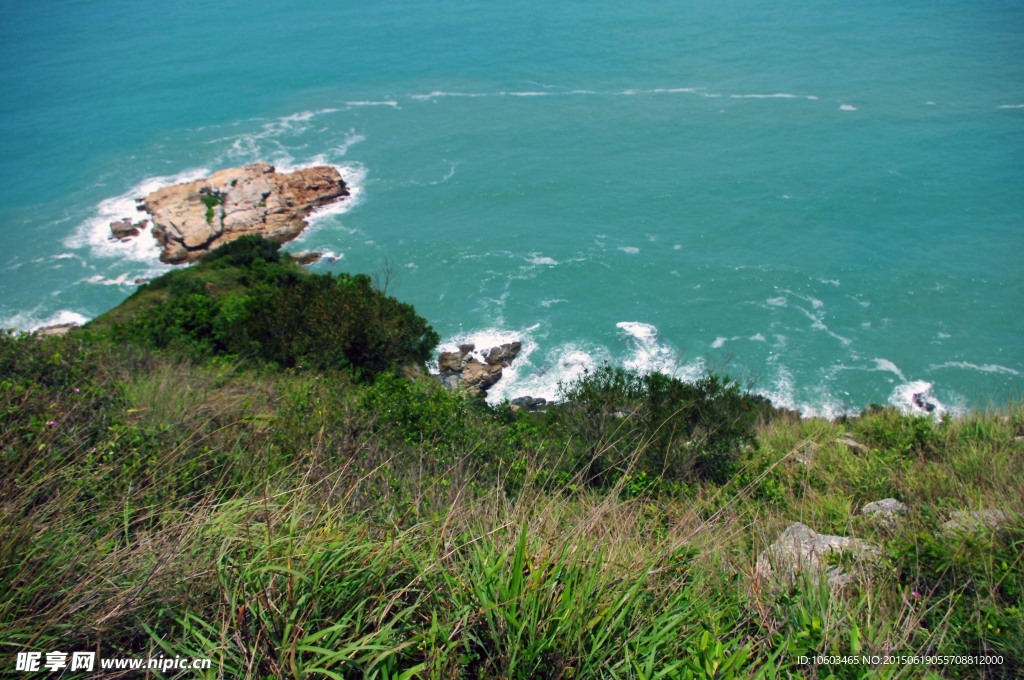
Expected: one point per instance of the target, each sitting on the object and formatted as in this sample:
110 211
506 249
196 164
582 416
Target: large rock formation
190 219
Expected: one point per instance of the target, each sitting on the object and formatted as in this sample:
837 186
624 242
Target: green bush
324 321
245 300
417 413
244 252
656 424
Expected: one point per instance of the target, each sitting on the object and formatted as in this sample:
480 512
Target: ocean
823 200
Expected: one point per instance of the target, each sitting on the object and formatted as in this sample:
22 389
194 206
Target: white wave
816 317
354 175
561 366
631 250
61 257
351 140
548 303
390 102
628 92
984 368
916 398
822 404
644 332
538 259
819 325
777 301
944 336
303 116
648 353
830 282
886 365
249 147
720 341
1011 106
28 321
122 280
447 176
329 256
847 107
757 337
483 340
678 246
778 95
94 233
441 93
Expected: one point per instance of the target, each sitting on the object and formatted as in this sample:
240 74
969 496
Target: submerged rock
461 370
307 258
921 401
125 228
192 218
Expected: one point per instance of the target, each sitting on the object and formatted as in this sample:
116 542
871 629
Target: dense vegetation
180 479
246 300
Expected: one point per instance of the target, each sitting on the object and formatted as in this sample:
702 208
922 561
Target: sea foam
916 398
29 321
94 233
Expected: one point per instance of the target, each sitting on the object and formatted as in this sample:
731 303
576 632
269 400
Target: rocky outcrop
528 403
192 218
307 258
56 329
853 446
461 370
800 549
975 521
886 512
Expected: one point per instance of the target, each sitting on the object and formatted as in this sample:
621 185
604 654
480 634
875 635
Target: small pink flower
915 593
51 423
75 390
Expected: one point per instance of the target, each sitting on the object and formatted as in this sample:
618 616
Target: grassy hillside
294 516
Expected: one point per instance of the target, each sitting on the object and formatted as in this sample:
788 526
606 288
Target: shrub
657 424
243 299
244 252
333 322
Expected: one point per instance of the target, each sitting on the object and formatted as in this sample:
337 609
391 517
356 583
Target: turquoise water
823 200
